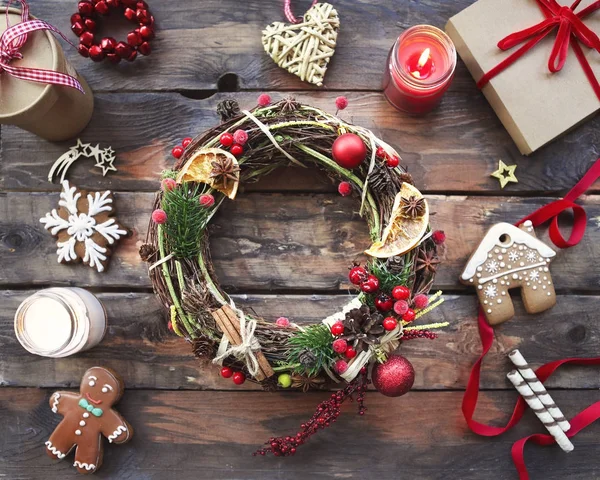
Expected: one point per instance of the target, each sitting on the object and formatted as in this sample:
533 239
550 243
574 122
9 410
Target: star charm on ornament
104 159
105 162
505 174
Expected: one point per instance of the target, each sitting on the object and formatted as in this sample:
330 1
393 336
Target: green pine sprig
186 219
311 350
388 279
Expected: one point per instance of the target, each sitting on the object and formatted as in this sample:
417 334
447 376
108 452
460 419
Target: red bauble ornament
392 162
236 149
357 275
438 237
409 316
370 285
168 184
400 292
337 328
349 151
340 366
395 377
282 322
240 136
350 353
384 303
206 200
159 216
226 139
345 189
389 323
226 372
177 151
421 301
239 378
83 24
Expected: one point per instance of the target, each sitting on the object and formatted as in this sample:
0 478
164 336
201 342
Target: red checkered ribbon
287 9
15 37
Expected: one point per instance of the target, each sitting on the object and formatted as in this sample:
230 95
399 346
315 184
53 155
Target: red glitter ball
341 366
438 237
345 189
401 307
168 184
339 345
206 200
282 322
395 377
421 301
240 136
159 216
264 100
341 103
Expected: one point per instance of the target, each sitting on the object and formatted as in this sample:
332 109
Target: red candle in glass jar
419 69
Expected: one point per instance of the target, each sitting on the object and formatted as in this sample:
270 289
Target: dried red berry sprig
84 25
327 412
412 334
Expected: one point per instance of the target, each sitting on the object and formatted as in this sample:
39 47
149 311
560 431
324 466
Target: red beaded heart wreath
84 26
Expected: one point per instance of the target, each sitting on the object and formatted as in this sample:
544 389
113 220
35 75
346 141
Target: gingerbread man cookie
87 417
84 226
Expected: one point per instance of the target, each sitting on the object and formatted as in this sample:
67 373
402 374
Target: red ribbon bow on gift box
570 25
15 37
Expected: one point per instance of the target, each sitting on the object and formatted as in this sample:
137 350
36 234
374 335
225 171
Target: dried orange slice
200 166
402 234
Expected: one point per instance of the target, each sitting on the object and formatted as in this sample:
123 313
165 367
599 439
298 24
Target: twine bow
570 26
245 350
15 37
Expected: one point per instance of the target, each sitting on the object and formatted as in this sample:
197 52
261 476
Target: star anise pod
223 169
289 105
228 109
364 326
307 383
412 207
427 261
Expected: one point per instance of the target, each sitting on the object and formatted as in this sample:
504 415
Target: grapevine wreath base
352 347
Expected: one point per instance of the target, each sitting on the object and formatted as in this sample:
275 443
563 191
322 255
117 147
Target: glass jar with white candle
58 322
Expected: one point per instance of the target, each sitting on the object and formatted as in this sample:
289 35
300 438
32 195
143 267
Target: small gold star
505 174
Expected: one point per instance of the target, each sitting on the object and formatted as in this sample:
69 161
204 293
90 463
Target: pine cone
147 251
364 326
307 359
204 348
407 178
395 264
227 109
380 180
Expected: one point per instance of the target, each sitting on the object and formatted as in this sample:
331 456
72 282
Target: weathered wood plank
210 435
452 150
139 345
199 42
272 241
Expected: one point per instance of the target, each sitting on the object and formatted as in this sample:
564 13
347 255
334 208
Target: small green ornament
284 380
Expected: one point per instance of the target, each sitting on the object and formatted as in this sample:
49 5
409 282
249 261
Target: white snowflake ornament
84 226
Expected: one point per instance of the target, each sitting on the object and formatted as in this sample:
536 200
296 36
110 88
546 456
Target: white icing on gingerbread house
511 257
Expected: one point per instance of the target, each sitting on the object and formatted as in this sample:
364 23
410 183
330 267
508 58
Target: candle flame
424 57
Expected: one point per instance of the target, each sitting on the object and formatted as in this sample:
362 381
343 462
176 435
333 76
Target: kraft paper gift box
53 112
535 105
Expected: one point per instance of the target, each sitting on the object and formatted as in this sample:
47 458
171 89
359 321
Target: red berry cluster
391 161
396 300
235 141
84 26
178 150
237 377
327 412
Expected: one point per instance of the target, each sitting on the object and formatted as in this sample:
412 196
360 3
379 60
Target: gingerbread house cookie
511 257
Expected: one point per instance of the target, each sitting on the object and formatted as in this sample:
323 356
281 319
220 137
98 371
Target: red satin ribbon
486 333
570 26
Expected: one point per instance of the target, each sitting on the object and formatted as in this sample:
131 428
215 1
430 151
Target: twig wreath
352 347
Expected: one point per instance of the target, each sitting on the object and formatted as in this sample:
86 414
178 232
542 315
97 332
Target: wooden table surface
283 248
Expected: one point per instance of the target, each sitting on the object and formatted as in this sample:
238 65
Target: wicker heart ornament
304 49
